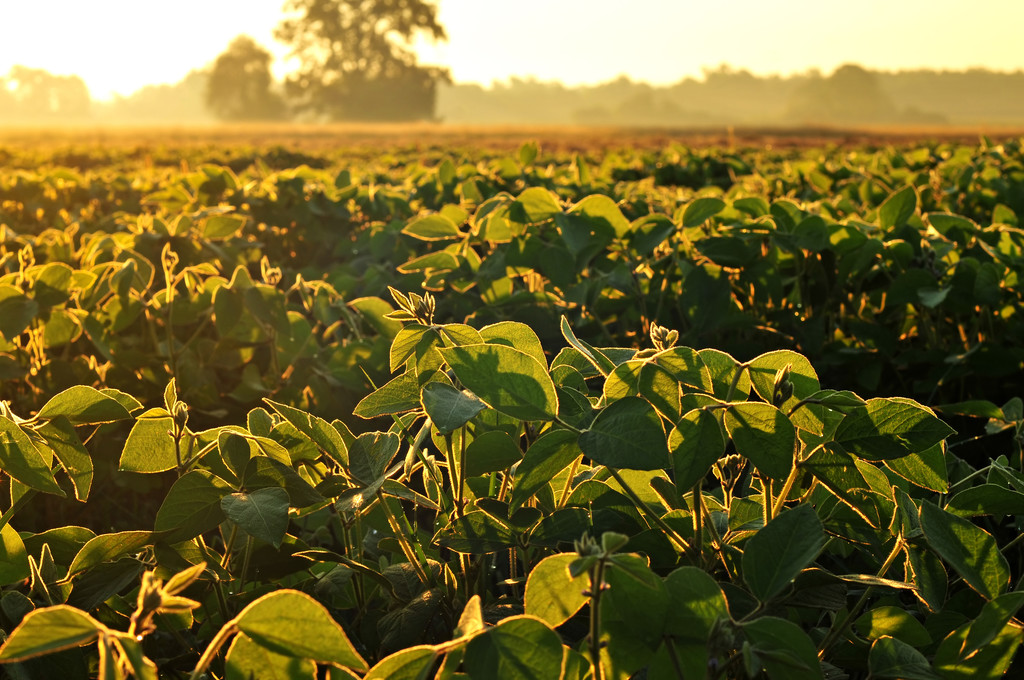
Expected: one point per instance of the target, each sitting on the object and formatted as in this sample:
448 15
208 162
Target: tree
35 94
356 61
851 95
240 86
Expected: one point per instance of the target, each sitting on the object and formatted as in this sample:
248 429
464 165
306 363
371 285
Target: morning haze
658 64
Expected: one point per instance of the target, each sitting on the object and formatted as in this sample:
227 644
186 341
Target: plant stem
403 541
786 488
16 506
698 525
226 631
568 482
740 368
839 626
596 588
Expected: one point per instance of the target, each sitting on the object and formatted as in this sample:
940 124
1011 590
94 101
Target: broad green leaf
784 648
696 604
476 532
509 381
13 557
986 499
517 335
16 312
788 544
518 648
48 630
370 455
61 437
722 370
432 228
491 452
412 663
83 405
150 446
551 453
926 468
263 473
627 434
892 658
763 435
836 470
192 506
890 428
109 547
637 595
598 359
246 660
994 617
602 210
897 208
399 395
552 594
318 430
222 226
971 551
140 665
449 408
294 624
538 204
262 514
701 210
20 459
696 443
989 663
764 368
892 621
928 575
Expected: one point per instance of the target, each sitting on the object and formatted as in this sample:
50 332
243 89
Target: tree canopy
240 85
356 59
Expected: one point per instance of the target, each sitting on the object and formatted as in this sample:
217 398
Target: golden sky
117 46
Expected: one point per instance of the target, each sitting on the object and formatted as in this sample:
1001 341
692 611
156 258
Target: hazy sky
117 46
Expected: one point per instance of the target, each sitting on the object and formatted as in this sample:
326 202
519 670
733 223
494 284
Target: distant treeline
849 96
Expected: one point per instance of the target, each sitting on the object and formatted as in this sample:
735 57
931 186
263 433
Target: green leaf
518 648
192 505
263 473
262 514
637 595
602 211
149 447
627 434
994 617
784 648
294 624
316 429
989 663
16 312
432 228
892 658
517 335
48 630
61 437
696 443
894 621
222 226
763 435
551 453
986 499
598 359
399 395
83 405
412 663
764 368
696 604
13 557
538 204
476 532
491 452
108 547
449 408
837 471
370 455
890 428
788 544
247 660
897 208
509 381
20 458
552 594
701 210
971 551
927 468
